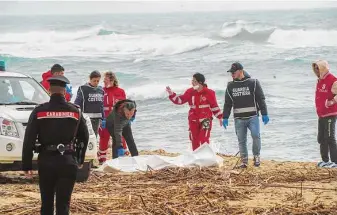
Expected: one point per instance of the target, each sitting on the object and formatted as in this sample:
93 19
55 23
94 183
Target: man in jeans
326 107
246 97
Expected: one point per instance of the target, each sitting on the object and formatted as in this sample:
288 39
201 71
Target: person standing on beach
90 99
246 97
326 108
203 105
56 70
112 94
56 125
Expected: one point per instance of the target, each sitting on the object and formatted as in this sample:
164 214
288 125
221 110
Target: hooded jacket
326 90
46 84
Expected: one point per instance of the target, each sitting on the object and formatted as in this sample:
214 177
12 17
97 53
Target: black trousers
326 138
56 175
127 134
95 122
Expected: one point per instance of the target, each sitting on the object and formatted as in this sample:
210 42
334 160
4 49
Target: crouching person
118 124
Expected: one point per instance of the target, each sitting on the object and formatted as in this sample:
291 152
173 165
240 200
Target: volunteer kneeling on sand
118 124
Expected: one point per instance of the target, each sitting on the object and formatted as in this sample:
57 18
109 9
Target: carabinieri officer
55 126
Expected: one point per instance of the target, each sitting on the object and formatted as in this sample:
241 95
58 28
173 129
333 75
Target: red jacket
203 104
46 84
324 94
111 96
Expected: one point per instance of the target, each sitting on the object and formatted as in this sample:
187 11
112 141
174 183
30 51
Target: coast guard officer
55 125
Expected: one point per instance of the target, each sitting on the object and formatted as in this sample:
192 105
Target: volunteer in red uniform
203 105
56 70
112 94
326 108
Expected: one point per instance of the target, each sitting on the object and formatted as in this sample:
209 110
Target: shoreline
274 188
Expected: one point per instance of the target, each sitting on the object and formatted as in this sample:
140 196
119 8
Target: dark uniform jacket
246 97
90 99
53 123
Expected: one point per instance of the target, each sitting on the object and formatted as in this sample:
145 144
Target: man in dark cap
56 70
246 97
203 105
118 125
56 126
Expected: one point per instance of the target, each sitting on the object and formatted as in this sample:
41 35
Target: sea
151 51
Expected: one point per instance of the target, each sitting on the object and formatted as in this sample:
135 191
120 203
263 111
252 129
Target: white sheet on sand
204 156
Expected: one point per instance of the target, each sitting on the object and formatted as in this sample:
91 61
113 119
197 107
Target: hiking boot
243 165
257 161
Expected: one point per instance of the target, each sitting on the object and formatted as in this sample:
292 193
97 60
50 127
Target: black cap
199 77
235 67
60 81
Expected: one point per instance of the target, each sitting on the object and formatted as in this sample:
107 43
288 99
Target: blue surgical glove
120 152
225 123
265 119
103 124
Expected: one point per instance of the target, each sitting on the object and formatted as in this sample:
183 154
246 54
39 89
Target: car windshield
21 91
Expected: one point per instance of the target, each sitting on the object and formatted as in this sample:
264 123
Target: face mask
196 87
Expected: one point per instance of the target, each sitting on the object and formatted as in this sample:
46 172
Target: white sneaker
331 165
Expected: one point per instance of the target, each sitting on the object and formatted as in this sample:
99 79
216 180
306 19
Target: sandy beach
274 188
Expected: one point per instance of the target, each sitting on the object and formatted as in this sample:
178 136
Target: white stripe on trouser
215 109
329 129
244 110
102 151
206 133
216 115
94 115
102 156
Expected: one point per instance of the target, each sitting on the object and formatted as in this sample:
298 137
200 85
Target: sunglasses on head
130 105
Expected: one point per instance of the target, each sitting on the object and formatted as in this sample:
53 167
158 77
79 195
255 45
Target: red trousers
199 134
104 137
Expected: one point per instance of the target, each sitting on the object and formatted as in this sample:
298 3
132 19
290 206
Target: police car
19 94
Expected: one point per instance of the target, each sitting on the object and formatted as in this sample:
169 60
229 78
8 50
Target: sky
103 7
